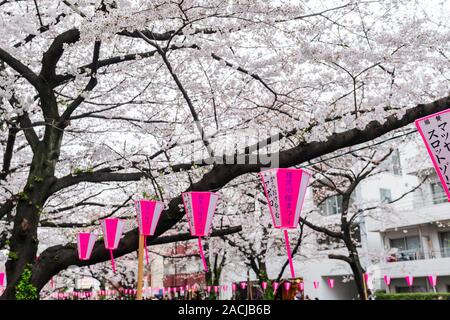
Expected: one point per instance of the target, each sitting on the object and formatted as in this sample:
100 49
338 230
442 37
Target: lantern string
288 249
113 264
146 249
202 254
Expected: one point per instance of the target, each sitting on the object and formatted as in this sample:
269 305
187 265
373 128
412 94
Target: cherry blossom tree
340 177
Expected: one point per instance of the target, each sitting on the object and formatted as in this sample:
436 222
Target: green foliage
22 196
13 255
38 179
24 289
268 293
77 171
147 196
413 296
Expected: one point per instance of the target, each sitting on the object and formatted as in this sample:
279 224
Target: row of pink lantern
243 285
180 289
432 280
285 191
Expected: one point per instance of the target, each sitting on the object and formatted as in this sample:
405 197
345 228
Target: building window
438 193
385 195
395 163
408 248
445 243
332 206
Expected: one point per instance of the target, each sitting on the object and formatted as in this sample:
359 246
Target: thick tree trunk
24 240
355 263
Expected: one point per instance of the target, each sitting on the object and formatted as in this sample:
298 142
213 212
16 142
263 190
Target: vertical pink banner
435 132
387 280
316 284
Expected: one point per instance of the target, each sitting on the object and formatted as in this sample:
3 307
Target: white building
408 237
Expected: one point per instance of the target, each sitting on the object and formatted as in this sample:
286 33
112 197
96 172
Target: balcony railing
417 254
406 255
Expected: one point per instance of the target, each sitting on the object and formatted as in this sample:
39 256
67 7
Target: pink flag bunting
316 284
147 214
285 190
264 285
275 286
366 277
112 231
432 280
331 283
387 280
200 207
409 280
287 286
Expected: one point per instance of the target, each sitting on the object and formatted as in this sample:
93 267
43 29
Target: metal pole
365 288
140 281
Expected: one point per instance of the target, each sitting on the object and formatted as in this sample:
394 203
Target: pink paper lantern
331 283
233 287
366 277
432 280
264 285
243 285
287 286
208 288
2 279
275 286
387 280
409 280
148 213
316 284
285 191
301 286
200 207
216 289
112 231
86 242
